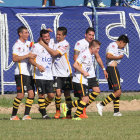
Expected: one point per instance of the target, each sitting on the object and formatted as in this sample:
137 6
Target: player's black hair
20 29
123 38
94 43
43 31
63 29
89 29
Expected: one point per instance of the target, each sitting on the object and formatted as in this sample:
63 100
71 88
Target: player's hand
42 43
85 73
50 30
32 56
106 74
121 56
41 68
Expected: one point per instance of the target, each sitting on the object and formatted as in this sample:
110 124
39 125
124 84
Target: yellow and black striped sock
28 105
57 102
68 101
116 104
48 101
16 104
92 97
80 108
42 108
108 99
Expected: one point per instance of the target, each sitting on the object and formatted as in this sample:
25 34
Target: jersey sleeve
63 49
16 49
34 49
111 49
81 58
77 46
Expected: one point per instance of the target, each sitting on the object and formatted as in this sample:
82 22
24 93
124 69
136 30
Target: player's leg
59 83
51 91
29 83
44 2
83 95
19 97
40 85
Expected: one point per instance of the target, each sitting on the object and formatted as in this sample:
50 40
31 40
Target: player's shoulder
80 42
112 45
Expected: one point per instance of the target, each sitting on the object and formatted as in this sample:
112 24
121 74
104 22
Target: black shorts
93 82
63 83
80 90
44 86
113 78
24 83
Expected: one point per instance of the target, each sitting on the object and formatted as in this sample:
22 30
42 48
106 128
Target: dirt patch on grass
133 105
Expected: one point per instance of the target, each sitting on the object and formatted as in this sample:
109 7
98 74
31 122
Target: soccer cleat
102 4
117 114
84 115
14 118
67 117
100 109
57 114
65 109
46 117
77 119
26 117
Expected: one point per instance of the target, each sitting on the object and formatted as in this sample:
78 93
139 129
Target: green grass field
95 127
106 127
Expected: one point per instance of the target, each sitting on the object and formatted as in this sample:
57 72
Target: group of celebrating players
45 65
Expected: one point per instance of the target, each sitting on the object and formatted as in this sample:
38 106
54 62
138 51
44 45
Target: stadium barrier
112 22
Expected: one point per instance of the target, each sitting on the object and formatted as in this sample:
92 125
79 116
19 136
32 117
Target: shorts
113 78
44 86
80 90
63 83
24 83
93 82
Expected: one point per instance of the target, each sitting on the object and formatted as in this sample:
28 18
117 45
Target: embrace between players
46 65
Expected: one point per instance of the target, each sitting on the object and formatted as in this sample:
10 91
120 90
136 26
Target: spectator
97 3
1 1
52 3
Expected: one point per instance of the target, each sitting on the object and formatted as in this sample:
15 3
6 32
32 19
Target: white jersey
85 60
44 59
81 45
61 66
115 51
20 48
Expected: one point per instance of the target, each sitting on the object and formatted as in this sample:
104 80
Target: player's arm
77 66
17 58
76 53
51 51
100 62
112 57
41 68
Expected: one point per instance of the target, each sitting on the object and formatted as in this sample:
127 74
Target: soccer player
23 78
42 71
61 69
93 84
83 64
114 54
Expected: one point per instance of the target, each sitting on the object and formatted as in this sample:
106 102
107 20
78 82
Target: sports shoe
100 109
46 117
57 114
65 109
84 115
102 4
117 114
26 117
1 1
14 118
67 117
77 119
43 5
